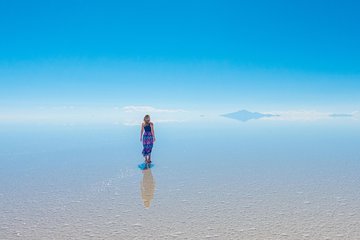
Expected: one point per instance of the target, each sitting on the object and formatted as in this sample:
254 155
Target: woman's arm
142 131
152 131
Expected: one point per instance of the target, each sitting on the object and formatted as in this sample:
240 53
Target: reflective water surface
221 180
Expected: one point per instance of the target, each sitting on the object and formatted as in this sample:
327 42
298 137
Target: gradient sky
181 54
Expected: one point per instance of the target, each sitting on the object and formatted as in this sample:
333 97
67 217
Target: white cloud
137 122
129 115
150 109
356 114
133 115
304 116
301 115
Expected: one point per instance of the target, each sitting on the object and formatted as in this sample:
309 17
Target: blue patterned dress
148 141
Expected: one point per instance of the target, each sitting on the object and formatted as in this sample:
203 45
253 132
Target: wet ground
256 180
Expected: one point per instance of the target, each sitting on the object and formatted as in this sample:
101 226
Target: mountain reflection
245 115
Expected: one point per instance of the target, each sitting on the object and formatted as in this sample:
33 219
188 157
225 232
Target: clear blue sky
181 53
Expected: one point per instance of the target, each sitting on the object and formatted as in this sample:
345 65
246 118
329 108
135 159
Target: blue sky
181 54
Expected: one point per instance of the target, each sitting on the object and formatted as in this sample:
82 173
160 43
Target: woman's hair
147 119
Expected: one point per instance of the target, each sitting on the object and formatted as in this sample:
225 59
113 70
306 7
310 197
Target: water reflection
245 115
147 187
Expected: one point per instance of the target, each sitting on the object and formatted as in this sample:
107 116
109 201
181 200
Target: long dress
148 141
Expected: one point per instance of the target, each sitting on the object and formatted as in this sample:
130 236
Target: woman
147 137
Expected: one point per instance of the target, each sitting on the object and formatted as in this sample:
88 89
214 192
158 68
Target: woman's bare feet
148 159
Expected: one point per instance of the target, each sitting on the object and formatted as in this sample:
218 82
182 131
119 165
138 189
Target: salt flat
256 180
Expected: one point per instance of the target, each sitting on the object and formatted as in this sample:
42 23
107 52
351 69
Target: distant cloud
245 115
341 115
137 122
133 115
356 114
311 115
301 116
128 115
150 109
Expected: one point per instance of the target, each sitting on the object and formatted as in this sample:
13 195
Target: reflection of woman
147 137
147 187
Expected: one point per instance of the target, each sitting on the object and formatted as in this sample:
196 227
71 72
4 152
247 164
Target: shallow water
223 180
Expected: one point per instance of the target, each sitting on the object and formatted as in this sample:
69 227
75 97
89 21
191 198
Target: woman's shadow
147 186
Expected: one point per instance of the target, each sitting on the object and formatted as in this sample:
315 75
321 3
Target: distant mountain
244 115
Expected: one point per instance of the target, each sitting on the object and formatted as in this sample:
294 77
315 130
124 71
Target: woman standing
147 137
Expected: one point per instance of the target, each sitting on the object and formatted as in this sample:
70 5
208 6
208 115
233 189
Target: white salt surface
242 182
